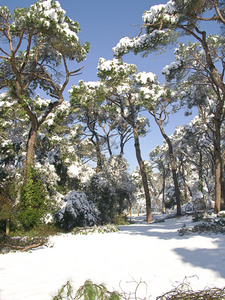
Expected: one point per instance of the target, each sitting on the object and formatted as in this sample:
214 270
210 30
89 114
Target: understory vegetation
92 291
206 224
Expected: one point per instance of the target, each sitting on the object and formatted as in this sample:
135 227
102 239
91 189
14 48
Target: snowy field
151 253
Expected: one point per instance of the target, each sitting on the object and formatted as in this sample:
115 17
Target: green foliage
6 208
95 229
32 207
42 231
88 291
207 225
112 190
9 191
91 291
99 192
120 220
65 183
197 216
221 214
5 205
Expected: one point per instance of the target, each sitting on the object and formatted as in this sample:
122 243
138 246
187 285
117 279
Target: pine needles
88 291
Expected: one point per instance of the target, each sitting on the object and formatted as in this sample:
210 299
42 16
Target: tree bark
98 152
31 144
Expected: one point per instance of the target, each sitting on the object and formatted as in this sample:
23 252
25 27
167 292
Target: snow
173 66
144 77
52 11
155 11
151 253
125 44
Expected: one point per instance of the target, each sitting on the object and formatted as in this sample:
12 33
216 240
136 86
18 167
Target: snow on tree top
126 44
115 65
155 12
173 66
144 77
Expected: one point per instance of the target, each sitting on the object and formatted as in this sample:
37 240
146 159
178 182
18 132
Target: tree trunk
200 172
218 168
108 145
163 191
185 184
31 145
222 206
96 143
176 185
143 176
98 154
172 164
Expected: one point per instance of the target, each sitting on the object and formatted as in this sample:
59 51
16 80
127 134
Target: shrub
208 226
32 206
77 211
100 193
88 291
112 189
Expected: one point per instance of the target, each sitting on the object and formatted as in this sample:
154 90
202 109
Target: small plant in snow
88 291
95 229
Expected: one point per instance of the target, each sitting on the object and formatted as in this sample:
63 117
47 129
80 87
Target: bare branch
71 73
4 53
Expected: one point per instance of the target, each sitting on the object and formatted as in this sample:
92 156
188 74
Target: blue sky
103 23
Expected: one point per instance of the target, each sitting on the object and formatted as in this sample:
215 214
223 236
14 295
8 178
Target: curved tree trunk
143 175
173 166
131 120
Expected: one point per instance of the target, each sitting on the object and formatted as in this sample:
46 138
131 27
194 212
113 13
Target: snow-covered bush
111 190
201 200
170 196
77 211
198 201
100 193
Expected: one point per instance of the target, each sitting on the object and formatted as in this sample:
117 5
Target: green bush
7 202
88 291
32 207
100 194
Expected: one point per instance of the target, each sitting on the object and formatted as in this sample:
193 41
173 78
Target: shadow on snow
206 258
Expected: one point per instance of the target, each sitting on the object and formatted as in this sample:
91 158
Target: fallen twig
32 246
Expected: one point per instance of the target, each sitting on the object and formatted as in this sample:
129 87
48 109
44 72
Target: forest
62 162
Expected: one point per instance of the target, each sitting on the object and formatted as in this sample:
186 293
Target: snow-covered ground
150 253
